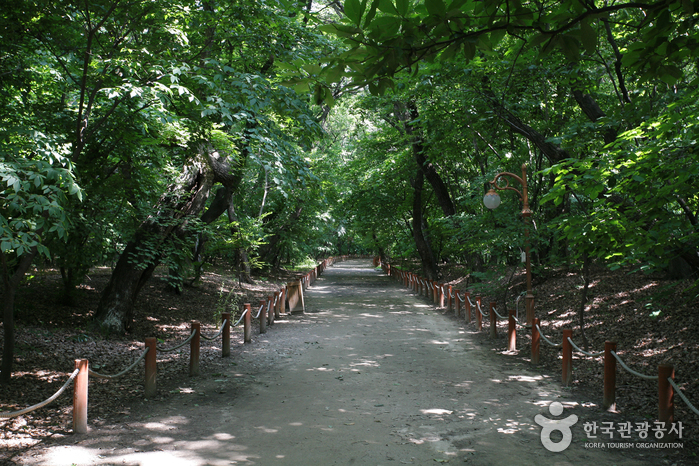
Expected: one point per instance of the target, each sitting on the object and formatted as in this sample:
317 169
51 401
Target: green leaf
436 7
588 37
371 13
403 6
387 7
496 36
354 11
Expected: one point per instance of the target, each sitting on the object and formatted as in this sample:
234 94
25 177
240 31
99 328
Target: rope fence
43 403
122 373
456 298
275 304
168 350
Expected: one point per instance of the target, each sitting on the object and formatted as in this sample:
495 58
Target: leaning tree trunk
185 199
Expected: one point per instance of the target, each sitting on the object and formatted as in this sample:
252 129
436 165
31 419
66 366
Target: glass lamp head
491 199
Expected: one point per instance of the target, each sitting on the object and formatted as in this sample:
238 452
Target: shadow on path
370 374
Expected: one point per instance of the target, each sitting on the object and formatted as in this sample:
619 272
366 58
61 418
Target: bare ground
326 385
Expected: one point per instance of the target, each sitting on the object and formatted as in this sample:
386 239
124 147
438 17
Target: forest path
370 375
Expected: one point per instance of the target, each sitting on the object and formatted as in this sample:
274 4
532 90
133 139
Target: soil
369 374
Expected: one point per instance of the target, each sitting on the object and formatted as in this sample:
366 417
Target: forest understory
650 318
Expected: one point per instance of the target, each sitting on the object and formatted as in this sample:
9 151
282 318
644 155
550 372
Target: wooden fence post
457 302
270 310
511 331
493 321
666 405
609 398
535 341
150 384
194 350
449 301
567 364
479 316
282 301
467 305
247 331
226 335
263 316
80 384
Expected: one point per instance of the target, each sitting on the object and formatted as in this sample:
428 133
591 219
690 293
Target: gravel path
371 374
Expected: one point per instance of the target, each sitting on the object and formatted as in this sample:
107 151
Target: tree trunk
183 200
241 254
429 264
427 167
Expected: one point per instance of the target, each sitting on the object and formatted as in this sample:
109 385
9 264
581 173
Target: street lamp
492 200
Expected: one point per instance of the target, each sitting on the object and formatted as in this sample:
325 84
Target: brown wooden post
277 306
666 404
263 316
194 350
150 386
511 331
567 365
270 310
467 305
80 384
535 341
247 330
226 335
479 316
441 295
449 301
493 321
609 398
282 301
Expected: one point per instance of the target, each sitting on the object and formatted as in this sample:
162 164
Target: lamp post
492 200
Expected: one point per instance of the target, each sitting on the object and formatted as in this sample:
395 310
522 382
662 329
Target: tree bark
429 264
428 168
184 199
241 256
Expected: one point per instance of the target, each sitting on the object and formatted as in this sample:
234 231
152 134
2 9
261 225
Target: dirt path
370 375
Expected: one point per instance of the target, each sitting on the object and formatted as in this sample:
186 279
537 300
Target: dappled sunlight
266 430
365 363
320 369
512 427
437 411
526 378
